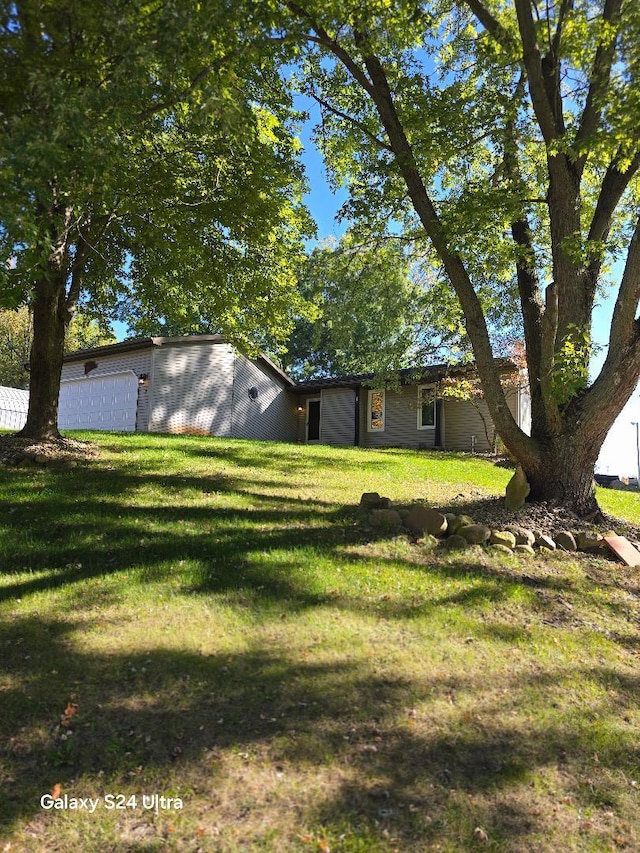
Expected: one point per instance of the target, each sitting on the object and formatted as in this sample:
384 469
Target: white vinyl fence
13 408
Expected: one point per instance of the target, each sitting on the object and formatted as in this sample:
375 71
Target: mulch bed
15 450
494 513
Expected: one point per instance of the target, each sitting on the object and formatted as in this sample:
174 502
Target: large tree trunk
564 475
50 320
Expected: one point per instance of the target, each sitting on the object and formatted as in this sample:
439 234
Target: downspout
356 441
233 393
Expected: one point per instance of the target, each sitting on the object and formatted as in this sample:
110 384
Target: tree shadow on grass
146 716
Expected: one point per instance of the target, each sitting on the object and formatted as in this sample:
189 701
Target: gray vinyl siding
139 361
191 389
463 420
203 388
271 416
401 421
338 416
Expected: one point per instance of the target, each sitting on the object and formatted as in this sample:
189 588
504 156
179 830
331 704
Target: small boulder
455 543
523 535
503 549
458 522
503 537
474 534
565 540
372 500
422 519
386 519
546 542
524 549
517 490
588 541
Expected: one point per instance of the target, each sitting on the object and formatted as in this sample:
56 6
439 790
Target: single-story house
411 413
200 384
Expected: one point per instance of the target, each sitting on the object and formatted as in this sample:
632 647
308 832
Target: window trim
370 393
420 425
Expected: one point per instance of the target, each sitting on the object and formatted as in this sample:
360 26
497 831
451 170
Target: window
426 407
375 418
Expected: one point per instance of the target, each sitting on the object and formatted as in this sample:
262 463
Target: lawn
203 638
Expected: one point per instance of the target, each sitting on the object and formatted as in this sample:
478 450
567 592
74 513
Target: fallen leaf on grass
480 835
56 791
69 713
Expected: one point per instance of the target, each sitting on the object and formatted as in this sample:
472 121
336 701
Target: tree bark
50 320
564 475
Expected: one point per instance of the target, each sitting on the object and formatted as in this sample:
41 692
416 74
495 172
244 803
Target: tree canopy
505 133
373 304
148 170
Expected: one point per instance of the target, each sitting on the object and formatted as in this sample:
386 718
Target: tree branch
621 369
491 24
325 40
614 183
623 324
545 109
371 136
600 76
565 6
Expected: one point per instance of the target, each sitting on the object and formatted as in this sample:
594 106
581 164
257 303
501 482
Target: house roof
136 344
407 376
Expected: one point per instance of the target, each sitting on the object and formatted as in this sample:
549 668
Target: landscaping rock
497 546
565 540
589 541
372 500
503 537
517 490
455 543
546 542
386 519
458 522
523 535
524 549
423 519
474 534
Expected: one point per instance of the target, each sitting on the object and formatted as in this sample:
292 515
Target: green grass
220 626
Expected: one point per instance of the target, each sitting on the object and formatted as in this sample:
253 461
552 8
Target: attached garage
105 402
14 404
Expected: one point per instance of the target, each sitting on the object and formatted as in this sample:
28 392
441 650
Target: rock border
453 531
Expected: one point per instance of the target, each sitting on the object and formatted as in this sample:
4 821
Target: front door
313 420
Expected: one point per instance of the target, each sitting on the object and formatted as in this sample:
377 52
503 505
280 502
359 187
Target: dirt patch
16 450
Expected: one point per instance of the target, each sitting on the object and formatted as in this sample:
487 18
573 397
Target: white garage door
99 402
